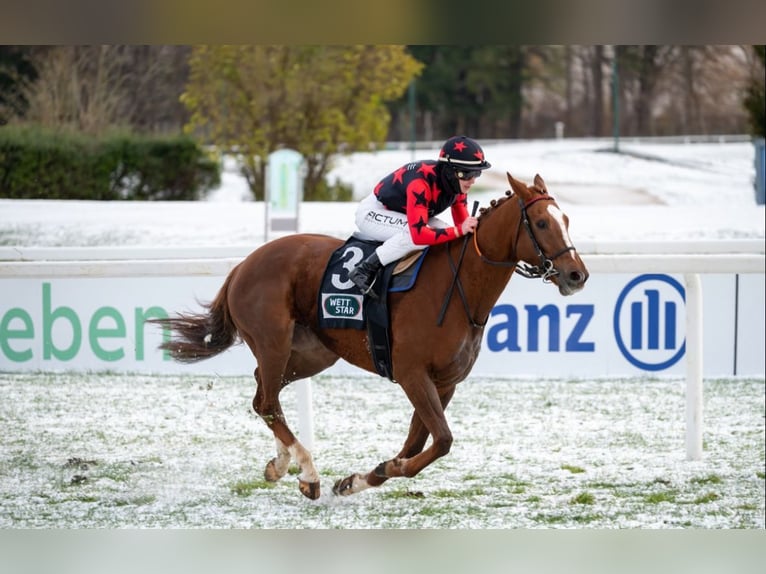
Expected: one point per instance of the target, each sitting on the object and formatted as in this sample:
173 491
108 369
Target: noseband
546 269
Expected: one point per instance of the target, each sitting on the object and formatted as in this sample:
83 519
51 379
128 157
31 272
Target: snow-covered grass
117 451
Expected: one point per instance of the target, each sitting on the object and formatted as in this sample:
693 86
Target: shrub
44 164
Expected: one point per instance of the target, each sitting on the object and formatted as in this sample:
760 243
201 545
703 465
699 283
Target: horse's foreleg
416 439
429 406
413 445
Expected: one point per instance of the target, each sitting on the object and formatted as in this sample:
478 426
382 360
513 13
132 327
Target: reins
456 281
544 271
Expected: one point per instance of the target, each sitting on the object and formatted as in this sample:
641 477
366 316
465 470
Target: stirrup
366 272
360 280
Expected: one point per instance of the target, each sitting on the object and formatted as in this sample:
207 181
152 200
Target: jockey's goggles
466 175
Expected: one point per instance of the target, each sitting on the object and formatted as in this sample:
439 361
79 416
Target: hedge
44 164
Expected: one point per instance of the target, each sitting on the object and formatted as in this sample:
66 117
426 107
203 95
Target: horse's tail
204 335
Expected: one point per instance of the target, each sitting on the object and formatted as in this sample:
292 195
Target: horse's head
545 244
538 230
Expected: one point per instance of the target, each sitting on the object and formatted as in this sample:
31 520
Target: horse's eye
542 224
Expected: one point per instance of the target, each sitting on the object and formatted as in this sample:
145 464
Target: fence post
760 170
693 366
305 413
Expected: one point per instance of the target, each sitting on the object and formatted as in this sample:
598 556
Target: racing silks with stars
414 190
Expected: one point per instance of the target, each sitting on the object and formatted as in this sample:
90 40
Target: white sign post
284 191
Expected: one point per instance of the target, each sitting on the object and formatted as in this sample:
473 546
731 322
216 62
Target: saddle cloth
342 306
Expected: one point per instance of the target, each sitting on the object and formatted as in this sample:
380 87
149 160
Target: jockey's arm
418 198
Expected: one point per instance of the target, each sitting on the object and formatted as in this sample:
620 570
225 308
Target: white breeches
377 222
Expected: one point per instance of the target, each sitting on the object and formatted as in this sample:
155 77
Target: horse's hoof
343 487
271 473
309 489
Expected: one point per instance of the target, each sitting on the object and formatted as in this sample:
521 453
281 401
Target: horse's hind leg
308 358
277 466
266 404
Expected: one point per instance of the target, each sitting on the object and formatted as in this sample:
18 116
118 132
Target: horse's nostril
577 277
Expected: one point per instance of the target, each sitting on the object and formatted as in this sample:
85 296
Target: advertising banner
618 325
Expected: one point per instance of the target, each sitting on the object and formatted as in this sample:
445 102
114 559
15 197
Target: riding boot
364 274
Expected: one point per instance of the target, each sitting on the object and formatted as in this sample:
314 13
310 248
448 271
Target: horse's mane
494 204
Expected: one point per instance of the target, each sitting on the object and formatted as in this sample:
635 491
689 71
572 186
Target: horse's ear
540 183
517 186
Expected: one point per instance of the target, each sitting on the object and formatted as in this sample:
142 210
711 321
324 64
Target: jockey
419 190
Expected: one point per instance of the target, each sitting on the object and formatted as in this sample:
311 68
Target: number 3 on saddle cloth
342 306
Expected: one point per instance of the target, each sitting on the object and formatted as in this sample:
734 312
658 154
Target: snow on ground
136 451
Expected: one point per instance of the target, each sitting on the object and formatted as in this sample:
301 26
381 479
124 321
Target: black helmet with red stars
464 154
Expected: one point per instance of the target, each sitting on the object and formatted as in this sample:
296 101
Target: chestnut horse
269 300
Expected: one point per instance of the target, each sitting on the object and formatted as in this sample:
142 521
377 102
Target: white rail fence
690 258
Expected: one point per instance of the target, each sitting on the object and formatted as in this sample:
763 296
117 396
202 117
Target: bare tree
77 87
95 88
597 65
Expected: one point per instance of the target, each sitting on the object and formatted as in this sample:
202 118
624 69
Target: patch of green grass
246 487
586 518
458 493
20 460
573 469
705 498
402 494
710 479
657 497
550 518
87 498
434 511
760 474
501 504
616 489
583 498
511 483
118 471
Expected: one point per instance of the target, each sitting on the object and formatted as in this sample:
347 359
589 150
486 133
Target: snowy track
116 451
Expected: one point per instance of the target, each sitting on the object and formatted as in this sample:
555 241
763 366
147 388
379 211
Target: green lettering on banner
141 317
49 317
7 333
95 333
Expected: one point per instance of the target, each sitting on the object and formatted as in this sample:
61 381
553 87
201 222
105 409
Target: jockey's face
465 184
466 178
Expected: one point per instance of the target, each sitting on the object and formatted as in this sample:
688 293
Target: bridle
546 269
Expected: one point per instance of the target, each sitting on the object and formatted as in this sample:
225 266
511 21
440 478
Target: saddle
342 306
